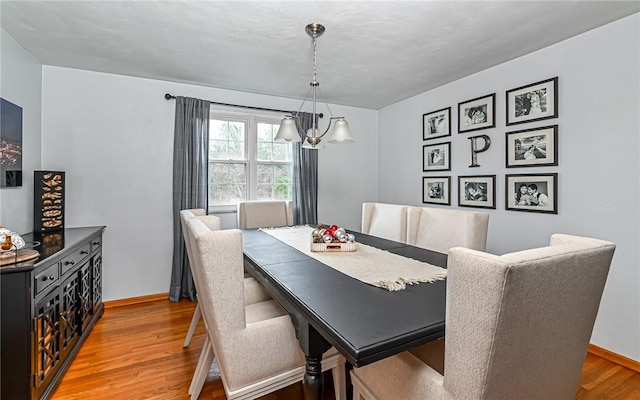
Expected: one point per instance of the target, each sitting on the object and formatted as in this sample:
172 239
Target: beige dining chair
255 345
518 327
254 292
388 221
264 213
440 229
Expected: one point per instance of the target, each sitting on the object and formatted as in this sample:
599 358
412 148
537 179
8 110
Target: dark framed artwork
476 114
436 190
48 200
436 157
533 102
10 144
436 124
535 147
477 191
532 193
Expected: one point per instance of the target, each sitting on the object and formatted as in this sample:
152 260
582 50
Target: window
244 161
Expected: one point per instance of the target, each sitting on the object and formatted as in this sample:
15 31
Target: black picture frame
11 143
533 102
477 191
477 114
436 124
436 190
436 157
545 184
535 147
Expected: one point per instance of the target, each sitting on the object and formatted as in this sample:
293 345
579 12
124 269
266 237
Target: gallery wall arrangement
528 147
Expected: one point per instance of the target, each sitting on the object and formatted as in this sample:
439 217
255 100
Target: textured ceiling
373 53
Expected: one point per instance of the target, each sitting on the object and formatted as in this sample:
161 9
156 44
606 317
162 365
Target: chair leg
194 322
202 367
339 381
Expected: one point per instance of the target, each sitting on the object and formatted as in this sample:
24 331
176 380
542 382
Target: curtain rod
169 96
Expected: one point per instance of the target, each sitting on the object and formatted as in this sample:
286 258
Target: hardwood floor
135 352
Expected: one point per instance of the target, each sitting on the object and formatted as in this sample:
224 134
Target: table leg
313 382
313 345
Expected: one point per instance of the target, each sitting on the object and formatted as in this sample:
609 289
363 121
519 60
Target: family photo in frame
436 157
476 114
533 102
532 192
436 190
477 191
535 147
436 124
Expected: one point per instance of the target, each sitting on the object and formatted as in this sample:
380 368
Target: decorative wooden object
337 247
48 201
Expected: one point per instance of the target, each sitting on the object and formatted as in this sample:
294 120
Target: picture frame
536 147
436 190
436 124
533 102
436 157
11 144
543 198
477 114
477 191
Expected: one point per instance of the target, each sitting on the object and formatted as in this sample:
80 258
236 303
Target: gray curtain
305 179
190 186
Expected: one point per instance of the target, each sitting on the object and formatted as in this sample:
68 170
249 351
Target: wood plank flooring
135 352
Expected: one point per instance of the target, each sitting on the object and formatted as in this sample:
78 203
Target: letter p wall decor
475 149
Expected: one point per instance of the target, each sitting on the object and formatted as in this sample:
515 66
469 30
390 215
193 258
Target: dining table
328 308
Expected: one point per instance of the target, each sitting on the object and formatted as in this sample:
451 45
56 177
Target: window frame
251 122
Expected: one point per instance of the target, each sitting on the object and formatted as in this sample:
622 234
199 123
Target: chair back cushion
388 221
264 214
211 221
518 325
218 261
440 229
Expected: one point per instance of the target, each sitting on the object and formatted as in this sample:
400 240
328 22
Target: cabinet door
96 294
47 340
69 313
84 294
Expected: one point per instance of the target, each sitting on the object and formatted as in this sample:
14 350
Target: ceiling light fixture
290 124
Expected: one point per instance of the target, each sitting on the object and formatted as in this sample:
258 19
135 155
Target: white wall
20 83
599 172
113 135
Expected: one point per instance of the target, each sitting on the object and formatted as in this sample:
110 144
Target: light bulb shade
288 131
341 132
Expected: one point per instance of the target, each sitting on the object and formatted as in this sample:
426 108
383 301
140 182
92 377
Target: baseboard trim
136 300
614 357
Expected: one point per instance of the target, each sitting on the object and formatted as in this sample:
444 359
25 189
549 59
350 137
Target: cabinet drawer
75 258
47 278
96 243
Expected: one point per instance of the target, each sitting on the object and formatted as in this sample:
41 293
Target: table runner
368 264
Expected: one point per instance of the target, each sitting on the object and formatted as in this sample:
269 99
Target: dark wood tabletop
328 308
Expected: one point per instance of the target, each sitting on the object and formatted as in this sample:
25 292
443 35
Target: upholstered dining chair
255 345
254 292
440 229
264 213
518 327
388 221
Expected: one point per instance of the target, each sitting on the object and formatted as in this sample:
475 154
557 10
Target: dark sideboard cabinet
48 307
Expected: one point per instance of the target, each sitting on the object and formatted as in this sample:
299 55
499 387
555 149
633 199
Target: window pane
282 152
265 174
226 140
227 183
282 176
274 182
266 151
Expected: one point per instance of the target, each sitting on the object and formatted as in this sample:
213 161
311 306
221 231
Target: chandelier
290 126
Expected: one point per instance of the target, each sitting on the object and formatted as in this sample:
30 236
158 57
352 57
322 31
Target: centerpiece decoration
332 238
